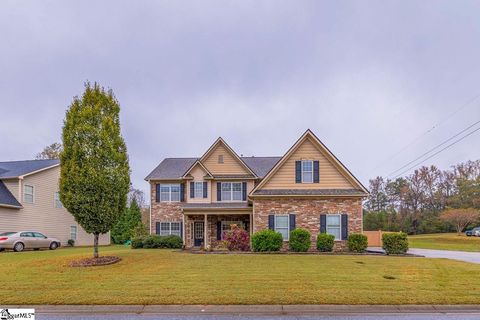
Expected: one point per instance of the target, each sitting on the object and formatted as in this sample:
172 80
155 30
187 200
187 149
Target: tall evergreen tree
95 174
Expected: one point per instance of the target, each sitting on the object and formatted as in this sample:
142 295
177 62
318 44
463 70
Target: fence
374 238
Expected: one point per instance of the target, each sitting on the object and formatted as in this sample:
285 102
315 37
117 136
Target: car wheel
18 247
53 246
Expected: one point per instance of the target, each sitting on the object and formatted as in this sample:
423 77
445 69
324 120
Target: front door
198 230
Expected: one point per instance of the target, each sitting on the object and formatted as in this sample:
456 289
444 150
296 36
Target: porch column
205 234
183 230
251 224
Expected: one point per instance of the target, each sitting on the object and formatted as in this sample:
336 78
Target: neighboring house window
198 189
307 171
220 158
170 228
226 225
28 194
231 191
73 232
282 225
334 225
58 203
170 192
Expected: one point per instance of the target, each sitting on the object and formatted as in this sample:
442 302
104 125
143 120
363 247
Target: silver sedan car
19 241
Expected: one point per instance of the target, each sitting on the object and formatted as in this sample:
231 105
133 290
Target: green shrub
357 242
137 242
395 243
299 240
325 242
154 241
71 242
267 240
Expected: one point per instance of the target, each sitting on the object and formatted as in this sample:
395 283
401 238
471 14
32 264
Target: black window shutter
157 193
205 190
323 223
344 226
157 227
298 171
181 230
182 192
219 230
316 171
219 191
292 221
271 222
192 189
244 191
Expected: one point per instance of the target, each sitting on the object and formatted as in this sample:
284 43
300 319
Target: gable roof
340 166
175 168
6 197
193 166
232 152
15 169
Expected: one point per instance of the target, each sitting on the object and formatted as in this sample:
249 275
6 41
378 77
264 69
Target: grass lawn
445 241
165 277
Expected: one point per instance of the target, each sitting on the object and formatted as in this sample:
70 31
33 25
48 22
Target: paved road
335 317
473 257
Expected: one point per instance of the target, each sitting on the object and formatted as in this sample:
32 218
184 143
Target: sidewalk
251 309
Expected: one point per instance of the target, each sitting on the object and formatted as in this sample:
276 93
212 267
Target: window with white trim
282 225
169 192
334 225
198 189
307 171
170 228
28 194
232 191
227 225
58 203
73 232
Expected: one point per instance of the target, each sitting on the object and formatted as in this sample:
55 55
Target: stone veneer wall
308 213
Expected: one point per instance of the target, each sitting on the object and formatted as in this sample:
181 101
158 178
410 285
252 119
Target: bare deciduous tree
50 152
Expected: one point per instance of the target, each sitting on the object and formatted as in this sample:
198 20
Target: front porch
206 230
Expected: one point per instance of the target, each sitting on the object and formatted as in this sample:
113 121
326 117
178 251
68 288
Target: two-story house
308 187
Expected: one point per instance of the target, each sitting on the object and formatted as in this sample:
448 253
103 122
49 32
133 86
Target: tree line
427 201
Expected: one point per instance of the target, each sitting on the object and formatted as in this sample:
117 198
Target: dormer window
307 171
220 158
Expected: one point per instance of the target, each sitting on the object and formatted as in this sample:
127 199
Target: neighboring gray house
29 201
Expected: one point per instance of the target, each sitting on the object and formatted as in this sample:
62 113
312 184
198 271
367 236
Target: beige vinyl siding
230 165
198 175
42 215
330 176
13 185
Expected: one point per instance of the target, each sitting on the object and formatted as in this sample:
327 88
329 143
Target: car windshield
6 234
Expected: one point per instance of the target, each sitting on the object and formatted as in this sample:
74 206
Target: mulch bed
92 262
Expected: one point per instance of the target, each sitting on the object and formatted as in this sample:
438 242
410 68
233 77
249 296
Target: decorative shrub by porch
237 239
357 242
267 240
300 240
71 242
325 242
157 242
395 243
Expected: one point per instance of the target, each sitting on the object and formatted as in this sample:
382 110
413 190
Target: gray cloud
366 77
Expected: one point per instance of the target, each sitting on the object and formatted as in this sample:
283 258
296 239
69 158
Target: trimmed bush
267 240
395 243
300 240
237 239
325 242
157 242
357 242
71 242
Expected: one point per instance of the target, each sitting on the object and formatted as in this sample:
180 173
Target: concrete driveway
472 257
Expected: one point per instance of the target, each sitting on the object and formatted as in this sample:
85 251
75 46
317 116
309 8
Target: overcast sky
368 77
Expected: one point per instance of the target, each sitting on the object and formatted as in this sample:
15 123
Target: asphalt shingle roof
6 197
224 205
15 169
175 168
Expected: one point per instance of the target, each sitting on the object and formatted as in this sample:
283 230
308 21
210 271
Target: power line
433 155
436 147
435 125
